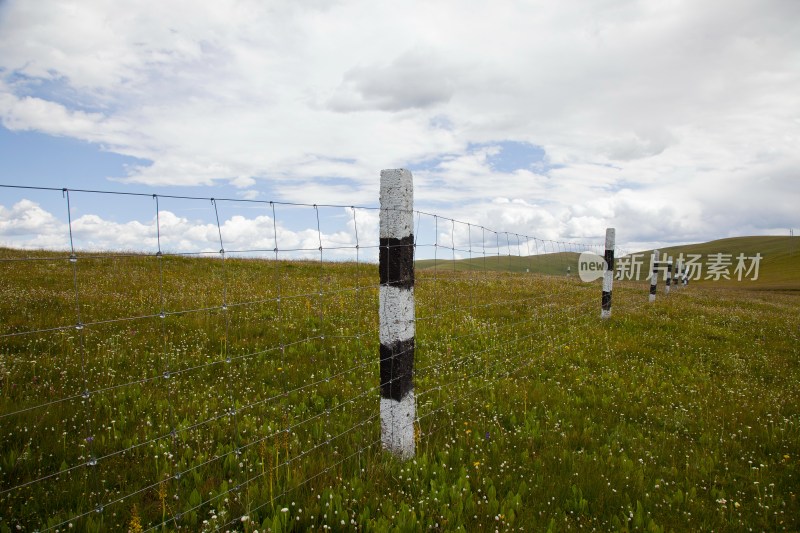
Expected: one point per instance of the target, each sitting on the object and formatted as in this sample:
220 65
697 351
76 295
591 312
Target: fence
218 379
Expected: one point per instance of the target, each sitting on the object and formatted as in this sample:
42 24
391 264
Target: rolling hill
779 267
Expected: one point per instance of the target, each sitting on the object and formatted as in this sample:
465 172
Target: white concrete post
608 275
654 277
397 319
669 275
676 274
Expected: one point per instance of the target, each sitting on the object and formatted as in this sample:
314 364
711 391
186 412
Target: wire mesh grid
181 382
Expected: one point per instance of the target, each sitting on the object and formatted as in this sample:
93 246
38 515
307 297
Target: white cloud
681 111
249 194
30 113
27 224
417 79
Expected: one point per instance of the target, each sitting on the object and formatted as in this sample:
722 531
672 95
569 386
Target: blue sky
37 159
82 166
560 121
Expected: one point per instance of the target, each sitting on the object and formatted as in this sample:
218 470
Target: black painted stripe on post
396 260
606 301
397 369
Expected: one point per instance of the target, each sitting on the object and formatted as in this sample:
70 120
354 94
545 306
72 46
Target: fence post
654 277
669 275
677 274
396 300
608 275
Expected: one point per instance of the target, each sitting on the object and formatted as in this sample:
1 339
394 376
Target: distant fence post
676 276
608 275
669 275
654 277
396 300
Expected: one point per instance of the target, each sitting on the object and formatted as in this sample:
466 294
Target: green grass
673 416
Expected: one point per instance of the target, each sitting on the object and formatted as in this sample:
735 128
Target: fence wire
176 383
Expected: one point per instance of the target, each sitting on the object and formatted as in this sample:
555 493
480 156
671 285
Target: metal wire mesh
182 381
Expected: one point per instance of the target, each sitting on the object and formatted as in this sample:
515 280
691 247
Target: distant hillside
554 264
779 268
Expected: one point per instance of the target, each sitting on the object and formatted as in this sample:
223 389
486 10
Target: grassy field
554 264
251 403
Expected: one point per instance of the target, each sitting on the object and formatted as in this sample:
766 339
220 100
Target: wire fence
188 375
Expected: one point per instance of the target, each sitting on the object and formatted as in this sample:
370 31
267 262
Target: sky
673 121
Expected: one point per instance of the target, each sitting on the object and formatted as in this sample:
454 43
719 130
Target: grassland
251 402
551 264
